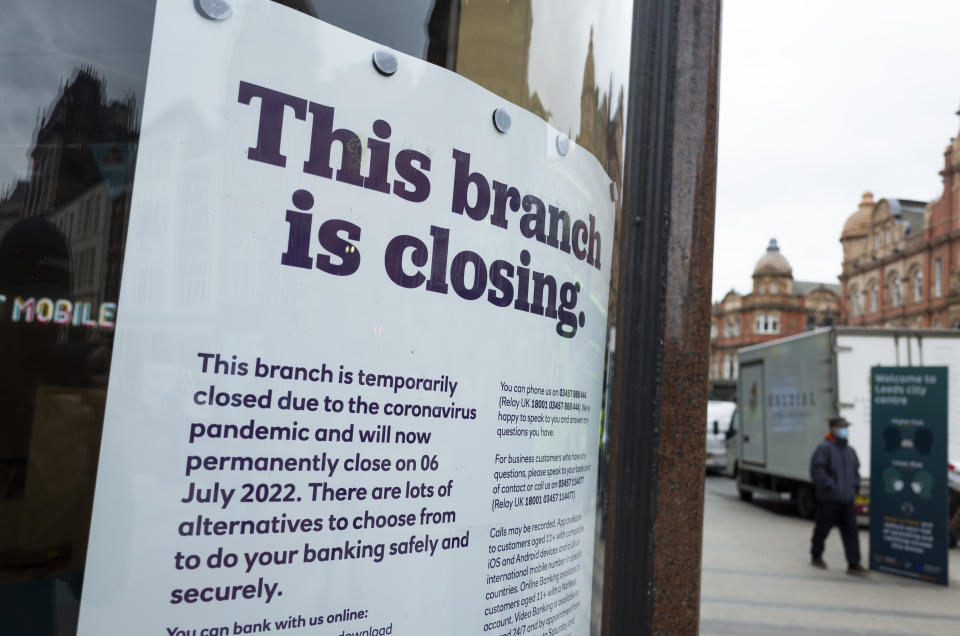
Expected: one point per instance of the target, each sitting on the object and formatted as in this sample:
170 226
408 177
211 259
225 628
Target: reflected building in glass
81 171
62 234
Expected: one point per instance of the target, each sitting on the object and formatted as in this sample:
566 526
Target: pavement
757 578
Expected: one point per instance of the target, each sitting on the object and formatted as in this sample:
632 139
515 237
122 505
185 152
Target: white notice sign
357 376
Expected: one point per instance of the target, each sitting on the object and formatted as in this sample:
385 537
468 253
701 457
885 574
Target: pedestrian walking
835 471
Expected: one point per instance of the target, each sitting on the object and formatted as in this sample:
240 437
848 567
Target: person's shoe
818 562
857 570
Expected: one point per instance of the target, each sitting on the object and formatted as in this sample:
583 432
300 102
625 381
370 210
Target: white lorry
788 390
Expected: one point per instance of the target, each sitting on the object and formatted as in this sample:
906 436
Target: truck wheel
745 495
806 503
953 539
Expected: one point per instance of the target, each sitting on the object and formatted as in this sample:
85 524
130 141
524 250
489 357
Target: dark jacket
835 471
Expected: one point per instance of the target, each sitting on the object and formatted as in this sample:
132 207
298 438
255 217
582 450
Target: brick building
777 306
901 258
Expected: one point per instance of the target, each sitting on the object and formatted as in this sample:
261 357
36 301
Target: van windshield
719 415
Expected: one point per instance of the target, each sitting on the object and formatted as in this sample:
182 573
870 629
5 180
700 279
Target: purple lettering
272 105
462 181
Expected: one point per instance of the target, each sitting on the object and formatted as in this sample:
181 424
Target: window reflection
61 254
72 77
566 62
422 28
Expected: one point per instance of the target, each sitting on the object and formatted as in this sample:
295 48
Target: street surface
757 578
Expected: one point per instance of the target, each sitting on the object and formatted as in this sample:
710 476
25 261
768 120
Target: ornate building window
766 323
918 285
894 290
713 330
854 296
876 241
728 328
730 366
773 288
874 296
938 278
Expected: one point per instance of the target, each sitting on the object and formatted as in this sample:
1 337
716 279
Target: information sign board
359 350
908 462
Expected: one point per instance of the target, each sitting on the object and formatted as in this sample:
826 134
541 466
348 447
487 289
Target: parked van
719 418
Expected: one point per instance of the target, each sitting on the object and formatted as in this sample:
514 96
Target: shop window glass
69 138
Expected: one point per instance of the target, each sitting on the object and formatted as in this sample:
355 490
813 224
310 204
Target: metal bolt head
501 120
385 62
563 144
213 9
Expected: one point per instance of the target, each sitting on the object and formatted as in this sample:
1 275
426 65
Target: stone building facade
901 259
778 306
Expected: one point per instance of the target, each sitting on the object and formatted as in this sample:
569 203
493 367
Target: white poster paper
358 367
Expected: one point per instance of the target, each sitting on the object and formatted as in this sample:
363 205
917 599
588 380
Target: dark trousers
842 515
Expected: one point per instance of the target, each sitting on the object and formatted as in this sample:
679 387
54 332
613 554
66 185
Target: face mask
841 433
